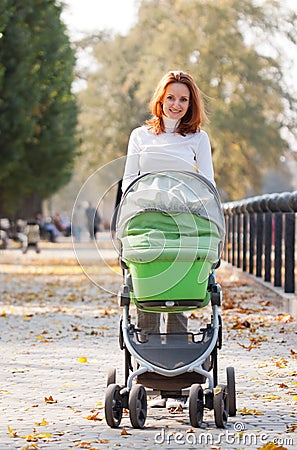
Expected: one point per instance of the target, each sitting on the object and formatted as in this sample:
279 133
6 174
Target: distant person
62 227
93 221
79 222
47 229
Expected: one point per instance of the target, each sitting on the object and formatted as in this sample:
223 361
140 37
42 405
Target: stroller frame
145 366
158 381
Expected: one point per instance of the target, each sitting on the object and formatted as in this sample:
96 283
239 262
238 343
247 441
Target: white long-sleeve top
148 152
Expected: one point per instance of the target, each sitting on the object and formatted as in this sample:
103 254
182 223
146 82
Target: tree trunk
28 207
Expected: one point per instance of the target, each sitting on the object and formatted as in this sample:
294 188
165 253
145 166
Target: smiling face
176 100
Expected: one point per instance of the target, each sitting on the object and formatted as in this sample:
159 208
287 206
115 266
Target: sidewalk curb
287 302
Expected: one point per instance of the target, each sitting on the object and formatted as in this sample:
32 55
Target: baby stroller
171 229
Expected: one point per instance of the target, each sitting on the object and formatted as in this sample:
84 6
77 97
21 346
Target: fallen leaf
248 347
85 444
271 397
281 363
42 423
82 359
30 438
49 399
291 428
251 412
124 432
12 433
94 416
272 446
217 390
241 325
175 410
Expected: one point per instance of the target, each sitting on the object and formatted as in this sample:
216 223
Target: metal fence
261 237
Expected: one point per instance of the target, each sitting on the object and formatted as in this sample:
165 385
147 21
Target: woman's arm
132 162
204 158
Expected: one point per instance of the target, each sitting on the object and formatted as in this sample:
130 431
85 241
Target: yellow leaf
12 433
42 423
30 438
125 432
42 435
272 446
217 390
83 359
251 412
271 397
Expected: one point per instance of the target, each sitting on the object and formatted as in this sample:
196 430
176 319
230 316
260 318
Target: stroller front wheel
138 406
196 405
113 406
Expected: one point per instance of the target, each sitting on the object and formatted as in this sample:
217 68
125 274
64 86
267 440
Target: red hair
195 114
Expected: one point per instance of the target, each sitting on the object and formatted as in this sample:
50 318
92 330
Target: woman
170 140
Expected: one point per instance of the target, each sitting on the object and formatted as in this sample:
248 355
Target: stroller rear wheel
137 406
196 405
221 405
231 391
113 406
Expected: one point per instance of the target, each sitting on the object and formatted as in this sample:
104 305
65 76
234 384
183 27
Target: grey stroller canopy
171 192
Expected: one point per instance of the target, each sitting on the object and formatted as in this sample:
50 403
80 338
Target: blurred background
76 77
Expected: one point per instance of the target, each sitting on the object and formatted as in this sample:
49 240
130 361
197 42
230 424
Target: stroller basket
171 229
162 350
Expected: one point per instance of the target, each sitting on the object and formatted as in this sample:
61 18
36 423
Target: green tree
38 112
222 45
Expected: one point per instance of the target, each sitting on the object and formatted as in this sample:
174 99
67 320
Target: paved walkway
59 335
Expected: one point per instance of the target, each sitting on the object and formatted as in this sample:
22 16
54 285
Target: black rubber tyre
231 385
196 405
220 406
137 406
111 376
113 406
